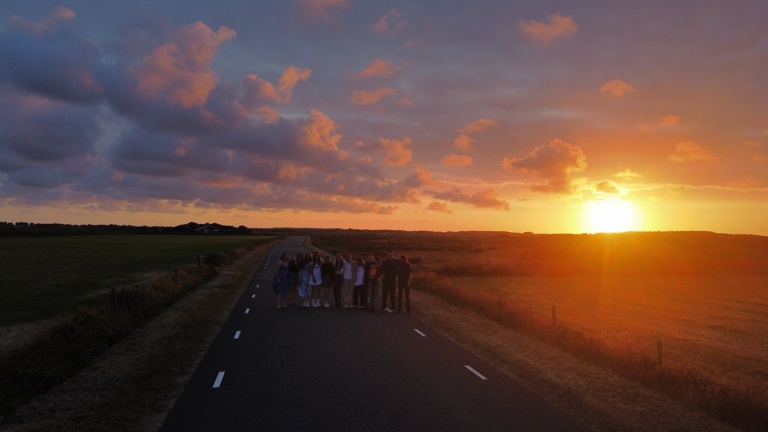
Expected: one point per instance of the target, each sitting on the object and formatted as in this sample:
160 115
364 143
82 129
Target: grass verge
77 341
744 408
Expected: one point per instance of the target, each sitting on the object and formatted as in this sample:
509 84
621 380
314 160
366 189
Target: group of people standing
310 279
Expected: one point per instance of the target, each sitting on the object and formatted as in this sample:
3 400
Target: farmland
614 299
713 324
41 277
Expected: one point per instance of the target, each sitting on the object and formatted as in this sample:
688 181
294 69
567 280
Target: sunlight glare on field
610 215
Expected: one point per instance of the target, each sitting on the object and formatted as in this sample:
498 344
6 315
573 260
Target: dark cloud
40 130
56 62
36 178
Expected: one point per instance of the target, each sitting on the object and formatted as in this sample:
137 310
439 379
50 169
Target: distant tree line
13 229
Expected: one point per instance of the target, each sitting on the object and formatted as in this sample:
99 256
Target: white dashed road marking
479 375
248 310
237 334
419 332
219 377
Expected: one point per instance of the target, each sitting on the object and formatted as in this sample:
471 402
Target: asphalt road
328 369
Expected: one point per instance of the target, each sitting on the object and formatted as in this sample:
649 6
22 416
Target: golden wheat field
717 324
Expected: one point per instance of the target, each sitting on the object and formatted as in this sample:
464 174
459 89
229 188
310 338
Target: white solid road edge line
219 377
237 334
419 332
479 375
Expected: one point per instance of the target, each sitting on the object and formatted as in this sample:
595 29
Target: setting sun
381 127
610 216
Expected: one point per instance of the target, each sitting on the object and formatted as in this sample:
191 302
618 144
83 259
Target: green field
42 277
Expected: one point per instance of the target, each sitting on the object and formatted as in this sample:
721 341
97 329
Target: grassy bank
41 277
744 407
78 339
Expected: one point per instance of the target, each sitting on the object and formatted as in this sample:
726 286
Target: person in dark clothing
327 272
404 271
338 278
293 281
280 281
366 278
373 284
388 281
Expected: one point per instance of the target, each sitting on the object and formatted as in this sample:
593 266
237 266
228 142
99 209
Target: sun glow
610 215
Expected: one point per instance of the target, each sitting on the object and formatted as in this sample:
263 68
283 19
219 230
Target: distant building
207 229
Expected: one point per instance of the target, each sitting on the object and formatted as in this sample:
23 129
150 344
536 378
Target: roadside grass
745 407
42 277
77 340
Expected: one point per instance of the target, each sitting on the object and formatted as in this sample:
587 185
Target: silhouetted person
389 281
404 271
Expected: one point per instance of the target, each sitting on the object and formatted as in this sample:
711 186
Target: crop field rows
714 324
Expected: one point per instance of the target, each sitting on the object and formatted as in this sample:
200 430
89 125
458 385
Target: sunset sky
542 116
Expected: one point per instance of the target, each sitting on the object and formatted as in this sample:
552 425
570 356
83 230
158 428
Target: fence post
658 350
554 316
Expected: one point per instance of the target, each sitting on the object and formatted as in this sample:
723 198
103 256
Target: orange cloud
420 177
478 126
320 132
397 153
291 75
378 67
267 113
617 88
669 120
689 151
627 173
354 205
464 142
317 10
405 102
364 97
554 162
556 25
389 23
437 206
258 90
606 187
179 70
487 198
291 172
457 160
757 158
60 13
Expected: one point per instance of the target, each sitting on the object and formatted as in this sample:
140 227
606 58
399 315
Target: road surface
329 369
